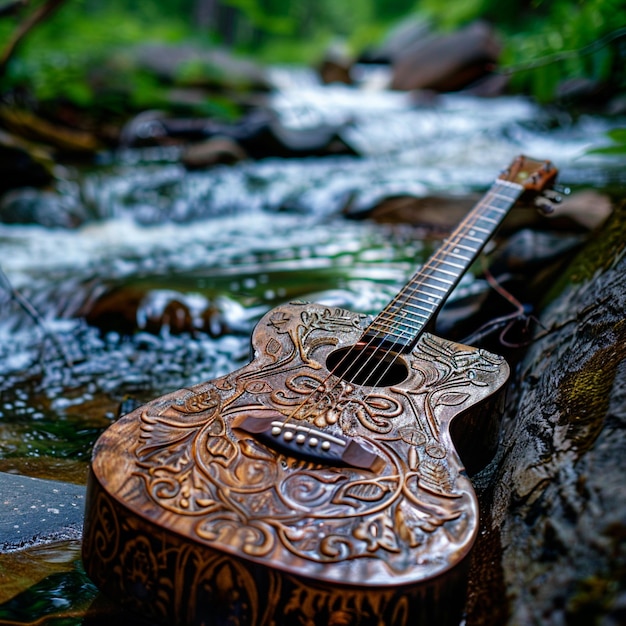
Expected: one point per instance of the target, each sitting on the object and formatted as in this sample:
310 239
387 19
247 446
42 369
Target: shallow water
225 245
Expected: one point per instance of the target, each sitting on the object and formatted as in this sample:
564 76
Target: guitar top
329 457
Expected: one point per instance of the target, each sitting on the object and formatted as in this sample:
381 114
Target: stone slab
34 511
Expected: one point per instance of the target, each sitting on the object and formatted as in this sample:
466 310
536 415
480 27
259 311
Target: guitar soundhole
367 366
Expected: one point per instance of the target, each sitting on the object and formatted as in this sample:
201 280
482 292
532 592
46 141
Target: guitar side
189 466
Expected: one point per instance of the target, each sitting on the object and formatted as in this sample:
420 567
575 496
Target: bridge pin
313 441
276 430
326 445
300 439
288 436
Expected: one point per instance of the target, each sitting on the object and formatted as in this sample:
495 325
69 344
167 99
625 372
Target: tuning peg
544 204
548 198
555 195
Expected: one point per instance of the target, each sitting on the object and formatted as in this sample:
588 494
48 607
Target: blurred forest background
77 50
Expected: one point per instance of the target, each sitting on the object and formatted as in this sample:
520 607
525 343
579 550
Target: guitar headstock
537 178
534 176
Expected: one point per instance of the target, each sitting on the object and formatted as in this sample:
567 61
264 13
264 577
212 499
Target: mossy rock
555 497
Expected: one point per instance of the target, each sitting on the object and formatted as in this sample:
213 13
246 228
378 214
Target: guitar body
282 493
326 482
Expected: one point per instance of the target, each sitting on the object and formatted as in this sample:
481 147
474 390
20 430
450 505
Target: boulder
34 511
553 547
447 62
214 151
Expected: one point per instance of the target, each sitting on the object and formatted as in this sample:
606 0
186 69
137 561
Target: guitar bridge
306 441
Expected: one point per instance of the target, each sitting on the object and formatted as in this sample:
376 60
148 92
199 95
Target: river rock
45 208
34 511
193 65
553 548
396 41
214 151
447 62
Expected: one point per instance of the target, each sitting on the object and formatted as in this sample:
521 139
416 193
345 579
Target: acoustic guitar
325 482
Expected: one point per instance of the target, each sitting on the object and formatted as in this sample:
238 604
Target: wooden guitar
319 483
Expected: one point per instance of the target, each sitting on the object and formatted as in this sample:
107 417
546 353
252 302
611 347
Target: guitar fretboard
401 322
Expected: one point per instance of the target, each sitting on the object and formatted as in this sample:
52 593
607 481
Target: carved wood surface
181 463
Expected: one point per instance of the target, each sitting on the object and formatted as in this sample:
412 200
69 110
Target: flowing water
163 281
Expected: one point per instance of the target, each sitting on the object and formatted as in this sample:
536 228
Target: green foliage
547 43
618 146
69 55
73 56
266 16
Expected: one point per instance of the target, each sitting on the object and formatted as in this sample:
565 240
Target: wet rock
335 71
34 511
215 151
336 65
214 68
555 498
397 40
439 214
131 308
31 206
447 62
587 210
257 135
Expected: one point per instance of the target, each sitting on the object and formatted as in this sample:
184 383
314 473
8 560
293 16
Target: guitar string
419 280
423 279
415 287
441 256
416 284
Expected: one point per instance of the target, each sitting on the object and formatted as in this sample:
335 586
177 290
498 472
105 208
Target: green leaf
618 135
608 150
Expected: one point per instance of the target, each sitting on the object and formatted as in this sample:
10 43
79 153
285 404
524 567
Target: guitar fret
412 307
451 264
391 329
441 280
459 245
508 183
430 300
435 287
438 269
405 311
499 195
460 256
416 304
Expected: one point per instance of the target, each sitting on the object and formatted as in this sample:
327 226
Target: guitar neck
401 322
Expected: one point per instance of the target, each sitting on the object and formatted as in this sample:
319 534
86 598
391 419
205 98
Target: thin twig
32 312
38 15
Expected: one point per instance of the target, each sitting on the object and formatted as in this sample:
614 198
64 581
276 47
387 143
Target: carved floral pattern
264 504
